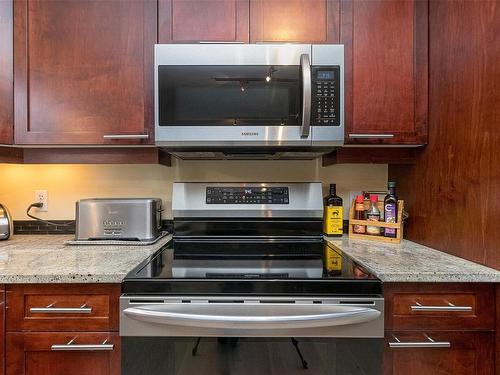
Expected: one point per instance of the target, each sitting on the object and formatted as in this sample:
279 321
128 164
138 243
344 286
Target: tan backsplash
68 183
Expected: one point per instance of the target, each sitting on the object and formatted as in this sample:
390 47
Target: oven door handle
252 316
305 68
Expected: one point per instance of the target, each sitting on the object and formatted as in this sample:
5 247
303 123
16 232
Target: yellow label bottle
332 261
333 222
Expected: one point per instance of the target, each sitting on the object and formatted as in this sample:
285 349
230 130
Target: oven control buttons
247 195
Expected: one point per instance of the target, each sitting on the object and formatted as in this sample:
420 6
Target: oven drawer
78 307
440 306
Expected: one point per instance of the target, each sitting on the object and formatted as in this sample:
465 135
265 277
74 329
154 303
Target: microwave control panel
325 86
247 195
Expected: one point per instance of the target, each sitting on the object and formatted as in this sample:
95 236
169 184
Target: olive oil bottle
333 216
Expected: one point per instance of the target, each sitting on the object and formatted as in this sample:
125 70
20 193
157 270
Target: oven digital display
326 74
247 195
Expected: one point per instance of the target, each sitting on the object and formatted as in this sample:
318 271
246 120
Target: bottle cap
391 184
373 198
359 199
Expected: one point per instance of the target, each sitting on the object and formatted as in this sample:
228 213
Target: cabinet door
306 21
83 71
185 21
386 71
469 353
6 73
36 354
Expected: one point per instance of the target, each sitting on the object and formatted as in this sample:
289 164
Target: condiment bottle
373 215
333 216
390 209
359 214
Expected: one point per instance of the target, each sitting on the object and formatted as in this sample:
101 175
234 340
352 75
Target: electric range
248 266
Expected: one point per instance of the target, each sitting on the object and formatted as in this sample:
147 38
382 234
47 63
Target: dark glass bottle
359 214
333 214
390 209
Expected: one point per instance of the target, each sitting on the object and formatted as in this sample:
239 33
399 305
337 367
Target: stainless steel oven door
265 336
251 316
226 95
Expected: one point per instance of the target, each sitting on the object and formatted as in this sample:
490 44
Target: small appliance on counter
118 219
6 229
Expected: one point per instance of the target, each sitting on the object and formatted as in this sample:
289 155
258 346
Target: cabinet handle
82 347
220 42
371 135
126 136
430 343
50 309
450 307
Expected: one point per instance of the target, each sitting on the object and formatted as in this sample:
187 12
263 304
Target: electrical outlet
41 196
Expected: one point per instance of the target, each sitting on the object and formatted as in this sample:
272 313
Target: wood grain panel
11 155
379 155
400 296
497 329
307 21
102 298
471 353
83 69
6 73
386 70
30 354
118 155
2 329
455 209
184 21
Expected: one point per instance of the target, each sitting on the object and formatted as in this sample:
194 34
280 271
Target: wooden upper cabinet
6 73
386 71
306 21
83 71
188 21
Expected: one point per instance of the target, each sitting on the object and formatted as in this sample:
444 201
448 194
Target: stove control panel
247 195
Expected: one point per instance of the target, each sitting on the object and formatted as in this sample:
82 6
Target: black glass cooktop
279 268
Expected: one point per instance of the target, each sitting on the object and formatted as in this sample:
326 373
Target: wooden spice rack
370 237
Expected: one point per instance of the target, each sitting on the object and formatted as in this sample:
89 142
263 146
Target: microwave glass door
229 95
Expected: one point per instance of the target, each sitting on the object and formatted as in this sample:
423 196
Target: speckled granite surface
46 259
411 262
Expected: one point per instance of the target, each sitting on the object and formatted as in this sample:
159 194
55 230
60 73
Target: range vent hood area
247 154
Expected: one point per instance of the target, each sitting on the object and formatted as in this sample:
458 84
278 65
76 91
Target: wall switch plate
41 196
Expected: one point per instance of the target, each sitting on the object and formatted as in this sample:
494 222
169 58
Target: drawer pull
430 343
50 309
450 307
363 136
82 347
126 136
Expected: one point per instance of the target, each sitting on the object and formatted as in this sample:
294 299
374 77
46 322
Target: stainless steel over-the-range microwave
249 100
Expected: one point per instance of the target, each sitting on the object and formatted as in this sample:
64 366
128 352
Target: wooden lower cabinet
33 353
469 353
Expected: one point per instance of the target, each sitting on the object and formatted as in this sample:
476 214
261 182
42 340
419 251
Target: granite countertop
411 262
46 259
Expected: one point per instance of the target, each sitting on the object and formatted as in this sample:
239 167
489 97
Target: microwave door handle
305 68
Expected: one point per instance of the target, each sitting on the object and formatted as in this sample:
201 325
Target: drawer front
79 307
439 352
440 306
93 353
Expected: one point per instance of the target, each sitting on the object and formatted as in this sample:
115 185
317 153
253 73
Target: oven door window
250 356
229 95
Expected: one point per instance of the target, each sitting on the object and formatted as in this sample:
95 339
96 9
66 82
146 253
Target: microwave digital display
326 74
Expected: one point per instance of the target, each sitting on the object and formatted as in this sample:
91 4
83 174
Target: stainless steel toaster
5 223
118 219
